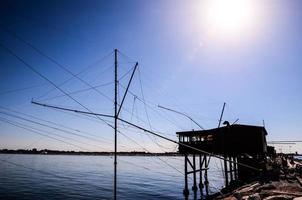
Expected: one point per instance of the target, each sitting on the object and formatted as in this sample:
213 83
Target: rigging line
22 126
35 130
134 98
76 91
30 67
166 174
128 126
44 77
158 135
124 75
73 110
146 110
161 92
65 69
84 116
125 56
21 89
55 128
57 124
147 150
146 168
76 111
61 66
129 138
173 120
141 88
183 114
63 83
188 146
34 70
154 110
53 60
106 69
58 135
125 94
82 112
41 75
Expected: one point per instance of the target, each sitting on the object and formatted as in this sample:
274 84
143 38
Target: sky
193 56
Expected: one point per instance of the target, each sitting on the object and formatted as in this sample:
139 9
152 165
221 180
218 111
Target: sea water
91 177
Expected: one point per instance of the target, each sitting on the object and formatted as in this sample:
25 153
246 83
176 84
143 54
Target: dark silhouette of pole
235 121
221 115
224 156
124 97
115 120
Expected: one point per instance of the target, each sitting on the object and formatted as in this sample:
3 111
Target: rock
230 198
267 193
266 187
237 195
246 191
279 197
255 196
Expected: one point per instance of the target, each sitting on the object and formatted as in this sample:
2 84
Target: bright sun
229 17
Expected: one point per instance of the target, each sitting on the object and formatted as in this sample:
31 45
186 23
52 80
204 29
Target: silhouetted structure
236 143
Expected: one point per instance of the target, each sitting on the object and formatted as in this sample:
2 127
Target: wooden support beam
198 170
206 181
194 188
226 172
201 160
235 168
231 170
186 190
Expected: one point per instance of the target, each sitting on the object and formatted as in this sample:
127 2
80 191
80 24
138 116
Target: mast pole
221 115
115 120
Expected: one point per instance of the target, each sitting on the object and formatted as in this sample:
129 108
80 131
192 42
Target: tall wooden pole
115 119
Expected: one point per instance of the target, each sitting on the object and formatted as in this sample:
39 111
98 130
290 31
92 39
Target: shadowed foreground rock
276 190
288 187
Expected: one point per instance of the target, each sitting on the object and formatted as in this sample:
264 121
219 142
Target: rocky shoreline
287 185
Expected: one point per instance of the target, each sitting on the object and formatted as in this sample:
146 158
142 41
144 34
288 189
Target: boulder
279 197
255 196
230 198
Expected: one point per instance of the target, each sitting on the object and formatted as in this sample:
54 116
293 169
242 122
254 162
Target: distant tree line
58 152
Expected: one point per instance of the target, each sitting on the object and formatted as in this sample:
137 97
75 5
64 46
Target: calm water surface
91 177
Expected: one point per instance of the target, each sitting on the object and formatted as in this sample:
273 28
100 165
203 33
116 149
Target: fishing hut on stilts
241 147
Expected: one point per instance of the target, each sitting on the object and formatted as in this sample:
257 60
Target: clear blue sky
183 65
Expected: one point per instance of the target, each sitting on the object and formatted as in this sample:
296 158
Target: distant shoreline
57 152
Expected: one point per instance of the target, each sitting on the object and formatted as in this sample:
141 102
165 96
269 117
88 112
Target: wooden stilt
194 187
186 190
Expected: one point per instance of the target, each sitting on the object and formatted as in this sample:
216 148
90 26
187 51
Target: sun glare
229 17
